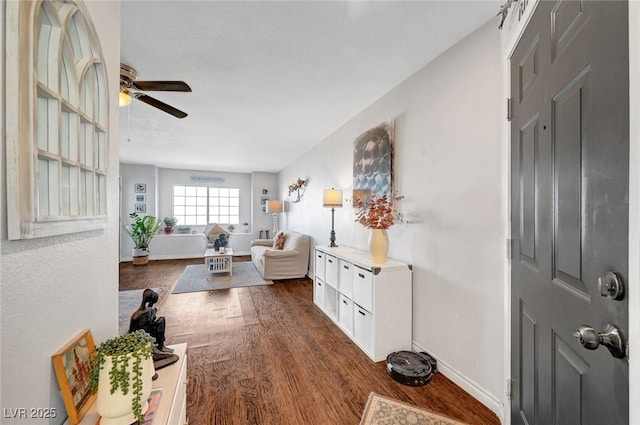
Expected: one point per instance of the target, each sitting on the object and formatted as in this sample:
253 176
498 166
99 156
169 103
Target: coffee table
219 262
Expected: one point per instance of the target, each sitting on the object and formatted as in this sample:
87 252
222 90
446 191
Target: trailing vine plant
136 346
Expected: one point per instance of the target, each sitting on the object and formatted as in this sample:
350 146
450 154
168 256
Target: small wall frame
72 364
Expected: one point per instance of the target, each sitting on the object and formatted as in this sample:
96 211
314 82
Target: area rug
195 278
385 411
129 301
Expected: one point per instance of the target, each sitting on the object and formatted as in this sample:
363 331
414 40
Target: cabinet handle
319 284
361 275
346 267
331 261
345 302
361 312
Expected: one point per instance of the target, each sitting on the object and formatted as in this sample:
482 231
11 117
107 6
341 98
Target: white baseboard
178 256
466 384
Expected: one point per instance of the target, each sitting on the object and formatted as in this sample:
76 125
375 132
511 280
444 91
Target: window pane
202 220
190 191
43 188
102 195
234 193
179 190
178 210
224 211
213 191
202 211
234 201
224 191
201 191
224 219
90 192
224 201
234 210
190 200
190 210
201 201
214 201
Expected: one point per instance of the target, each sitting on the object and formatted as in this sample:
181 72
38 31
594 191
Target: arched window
57 144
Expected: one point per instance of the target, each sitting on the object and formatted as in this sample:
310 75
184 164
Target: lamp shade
274 206
332 198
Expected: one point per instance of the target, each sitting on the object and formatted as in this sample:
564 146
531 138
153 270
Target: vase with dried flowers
378 215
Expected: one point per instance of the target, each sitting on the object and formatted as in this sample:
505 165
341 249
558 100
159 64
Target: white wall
54 287
160 183
448 165
261 182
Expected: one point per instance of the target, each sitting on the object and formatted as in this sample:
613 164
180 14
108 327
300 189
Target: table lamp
274 207
332 198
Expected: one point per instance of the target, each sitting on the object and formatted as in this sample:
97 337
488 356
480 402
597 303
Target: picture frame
140 197
373 163
141 208
263 204
72 365
141 187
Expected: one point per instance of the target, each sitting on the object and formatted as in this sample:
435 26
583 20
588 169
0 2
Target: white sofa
292 261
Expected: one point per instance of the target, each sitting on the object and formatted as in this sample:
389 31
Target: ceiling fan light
124 99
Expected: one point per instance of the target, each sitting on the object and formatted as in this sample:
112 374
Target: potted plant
231 228
379 214
142 230
169 222
245 227
121 374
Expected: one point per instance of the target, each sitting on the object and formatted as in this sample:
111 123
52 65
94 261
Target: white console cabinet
370 302
172 409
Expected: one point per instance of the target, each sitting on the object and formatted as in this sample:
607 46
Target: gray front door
569 214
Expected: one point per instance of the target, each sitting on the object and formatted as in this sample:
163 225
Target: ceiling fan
130 88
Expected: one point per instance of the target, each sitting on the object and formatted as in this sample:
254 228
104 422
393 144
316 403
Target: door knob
611 338
611 286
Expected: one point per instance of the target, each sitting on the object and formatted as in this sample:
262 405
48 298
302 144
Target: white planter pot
140 255
140 252
116 408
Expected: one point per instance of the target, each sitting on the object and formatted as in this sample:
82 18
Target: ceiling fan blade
161 85
160 105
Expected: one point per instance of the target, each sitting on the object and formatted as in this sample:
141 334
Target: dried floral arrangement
299 188
379 213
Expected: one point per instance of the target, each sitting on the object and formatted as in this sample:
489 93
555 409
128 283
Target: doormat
195 278
385 411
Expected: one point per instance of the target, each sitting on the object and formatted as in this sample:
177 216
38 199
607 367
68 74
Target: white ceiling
271 79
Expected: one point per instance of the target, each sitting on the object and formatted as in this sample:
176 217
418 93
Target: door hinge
509 106
508 244
508 389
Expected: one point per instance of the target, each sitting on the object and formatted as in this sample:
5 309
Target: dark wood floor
266 355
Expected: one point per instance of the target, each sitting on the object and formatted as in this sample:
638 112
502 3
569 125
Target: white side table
219 262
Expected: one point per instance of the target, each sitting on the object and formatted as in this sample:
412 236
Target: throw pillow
278 241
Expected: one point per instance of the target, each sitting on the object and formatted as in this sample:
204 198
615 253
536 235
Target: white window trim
20 123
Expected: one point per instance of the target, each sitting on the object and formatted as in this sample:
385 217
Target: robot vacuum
410 368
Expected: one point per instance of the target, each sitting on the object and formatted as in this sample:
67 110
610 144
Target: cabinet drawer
345 278
363 288
318 293
345 314
331 270
319 270
363 328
